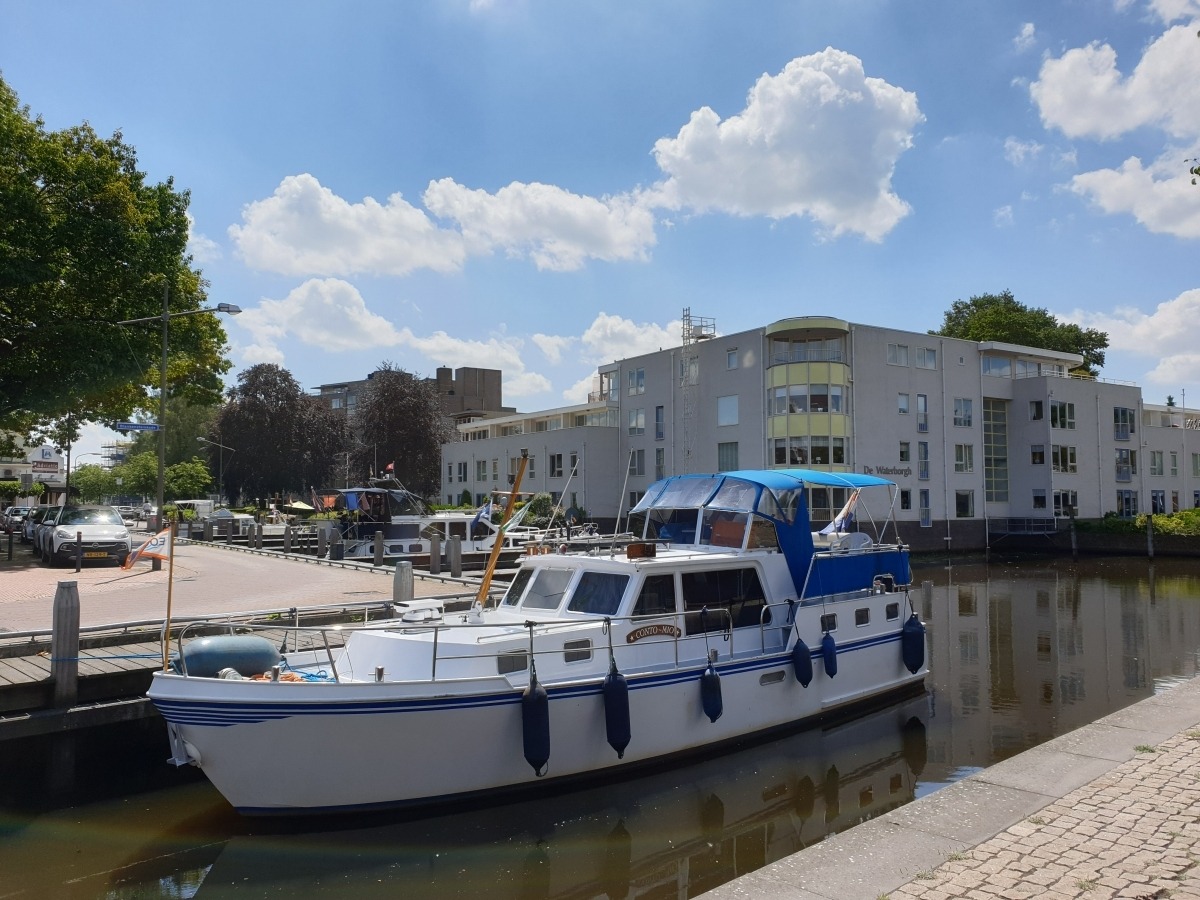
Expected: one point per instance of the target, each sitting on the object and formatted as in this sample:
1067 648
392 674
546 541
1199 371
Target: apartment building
982 438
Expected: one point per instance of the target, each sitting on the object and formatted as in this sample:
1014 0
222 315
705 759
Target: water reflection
1020 653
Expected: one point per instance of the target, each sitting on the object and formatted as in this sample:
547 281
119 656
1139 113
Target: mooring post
402 582
435 555
287 538
64 644
378 548
1150 536
454 556
322 537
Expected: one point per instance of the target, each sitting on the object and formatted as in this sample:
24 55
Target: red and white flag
157 547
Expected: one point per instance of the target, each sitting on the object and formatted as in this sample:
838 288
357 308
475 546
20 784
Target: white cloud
202 249
1025 38
1168 335
1002 217
558 230
612 337
1170 10
819 139
553 346
330 314
306 229
1017 152
1161 197
1084 94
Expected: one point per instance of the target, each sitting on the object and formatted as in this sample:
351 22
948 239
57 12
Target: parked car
30 526
129 513
96 532
13 517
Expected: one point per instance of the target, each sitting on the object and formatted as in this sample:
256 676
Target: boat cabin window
677 526
829 622
862 616
546 589
723 528
763 535
892 611
598 593
657 597
577 651
407 531
509 662
732 596
520 581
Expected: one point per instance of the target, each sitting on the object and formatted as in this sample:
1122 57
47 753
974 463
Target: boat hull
274 748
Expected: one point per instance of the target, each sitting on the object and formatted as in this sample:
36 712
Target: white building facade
983 439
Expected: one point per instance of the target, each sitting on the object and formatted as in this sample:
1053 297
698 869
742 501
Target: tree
187 479
86 242
139 474
93 483
999 317
185 422
285 439
399 421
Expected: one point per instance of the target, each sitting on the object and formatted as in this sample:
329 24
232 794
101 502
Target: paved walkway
1111 810
208 579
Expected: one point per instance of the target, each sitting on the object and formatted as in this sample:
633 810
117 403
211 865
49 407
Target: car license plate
94 554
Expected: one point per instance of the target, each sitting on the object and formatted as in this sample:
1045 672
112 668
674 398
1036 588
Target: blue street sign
136 426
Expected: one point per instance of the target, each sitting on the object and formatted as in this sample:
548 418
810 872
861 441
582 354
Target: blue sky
542 187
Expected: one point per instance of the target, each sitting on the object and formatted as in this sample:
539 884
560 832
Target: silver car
84 534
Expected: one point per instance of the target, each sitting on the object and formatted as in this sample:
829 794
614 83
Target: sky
543 187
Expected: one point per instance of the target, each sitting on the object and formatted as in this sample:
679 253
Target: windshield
89 517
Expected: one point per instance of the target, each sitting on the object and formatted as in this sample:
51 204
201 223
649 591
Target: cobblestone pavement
1132 834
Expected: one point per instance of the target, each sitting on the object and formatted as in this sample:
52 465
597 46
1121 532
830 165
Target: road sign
137 426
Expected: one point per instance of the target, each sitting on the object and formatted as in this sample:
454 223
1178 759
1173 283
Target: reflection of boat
673 833
726 620
408 524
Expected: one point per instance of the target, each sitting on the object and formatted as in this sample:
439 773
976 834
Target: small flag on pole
157 547
390 467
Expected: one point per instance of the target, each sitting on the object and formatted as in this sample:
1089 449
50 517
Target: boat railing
659 628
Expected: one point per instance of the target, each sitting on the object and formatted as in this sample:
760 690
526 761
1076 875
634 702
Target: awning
298 504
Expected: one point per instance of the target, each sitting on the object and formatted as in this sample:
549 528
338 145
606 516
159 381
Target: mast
486 583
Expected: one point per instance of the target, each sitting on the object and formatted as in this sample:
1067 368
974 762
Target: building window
635 497
462 471
1126 464
996 366
925 511
1123 423
731 359
1158 502
777 401
727 410
660 463
964 458
964 504
1174 501
496 469
922 460
1037 454
727 456
995 450
1062 414
902 404
637 421
926 358
636 380
637 462
897 354
1156 462
818 398
556 465
1035 410
905 499
922 412
963 408
481 469
904 451
574 460
798 398
1174 464
818 447
1127 504
1062 458
1039 498
1065 503
779 449
335 403
660 426
449 472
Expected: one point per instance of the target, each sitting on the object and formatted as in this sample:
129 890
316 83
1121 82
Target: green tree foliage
138 474
185 421
399 420
999 317
86 242
92 483
284 439
187 480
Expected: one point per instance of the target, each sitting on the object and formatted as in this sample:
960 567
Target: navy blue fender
535 724
710 693
802 662
829 652
912 644
616 710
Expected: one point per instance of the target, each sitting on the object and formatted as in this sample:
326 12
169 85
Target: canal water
1021 651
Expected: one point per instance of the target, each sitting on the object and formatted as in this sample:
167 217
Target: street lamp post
165 318
220 464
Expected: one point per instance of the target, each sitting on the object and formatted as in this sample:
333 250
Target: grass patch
1145 748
